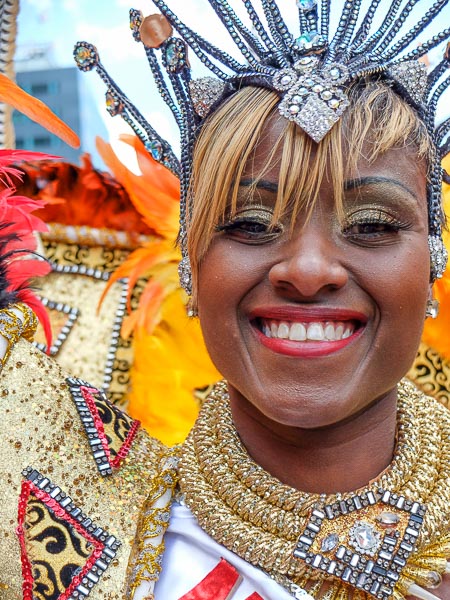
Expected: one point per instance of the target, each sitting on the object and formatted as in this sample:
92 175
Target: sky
59 24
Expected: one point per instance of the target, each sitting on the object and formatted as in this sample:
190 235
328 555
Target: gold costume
62 520
87 493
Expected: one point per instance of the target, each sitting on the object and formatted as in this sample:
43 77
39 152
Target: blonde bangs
376 121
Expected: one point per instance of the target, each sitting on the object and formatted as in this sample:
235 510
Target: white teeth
298 332
315 332
347 333
283 331
339 331
329 332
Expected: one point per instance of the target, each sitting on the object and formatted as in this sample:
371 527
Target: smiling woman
311 234
333 274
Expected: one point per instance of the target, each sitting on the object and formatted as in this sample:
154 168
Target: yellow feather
436 331
168 366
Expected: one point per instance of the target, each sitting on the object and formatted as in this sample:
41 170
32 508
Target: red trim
125 448
29 488
219 584
28 581
255 596
88 395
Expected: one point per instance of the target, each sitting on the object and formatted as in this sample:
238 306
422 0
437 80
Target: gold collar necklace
377 541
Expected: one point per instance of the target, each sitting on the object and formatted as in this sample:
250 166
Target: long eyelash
376 216
233 224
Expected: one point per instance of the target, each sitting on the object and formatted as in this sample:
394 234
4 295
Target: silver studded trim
412 75
109 543
205 92
101 459
185 275
115 336
312 99
438 256
377 573
80 270
72 315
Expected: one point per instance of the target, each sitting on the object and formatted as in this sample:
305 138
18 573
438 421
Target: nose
309 263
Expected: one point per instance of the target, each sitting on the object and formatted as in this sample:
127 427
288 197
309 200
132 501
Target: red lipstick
306 348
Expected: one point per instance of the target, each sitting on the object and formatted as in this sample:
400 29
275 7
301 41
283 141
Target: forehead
400 165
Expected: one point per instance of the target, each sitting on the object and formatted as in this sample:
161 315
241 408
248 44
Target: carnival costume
94 494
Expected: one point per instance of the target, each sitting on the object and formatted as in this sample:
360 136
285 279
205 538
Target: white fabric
191 554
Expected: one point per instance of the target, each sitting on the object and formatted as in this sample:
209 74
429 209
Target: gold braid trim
13 326
146 561
254 515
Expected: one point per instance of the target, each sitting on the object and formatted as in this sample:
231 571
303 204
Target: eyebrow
351 184
261 184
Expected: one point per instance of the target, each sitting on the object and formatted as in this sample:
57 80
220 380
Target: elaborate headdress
310 69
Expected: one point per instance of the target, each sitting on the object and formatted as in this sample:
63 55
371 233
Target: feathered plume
18 263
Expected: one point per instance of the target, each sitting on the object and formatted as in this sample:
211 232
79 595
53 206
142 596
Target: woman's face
312 327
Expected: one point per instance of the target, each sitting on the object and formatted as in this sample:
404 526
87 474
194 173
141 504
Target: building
59 88
65 90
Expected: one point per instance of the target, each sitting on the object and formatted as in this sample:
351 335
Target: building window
38 89
42 141
20 142
53 87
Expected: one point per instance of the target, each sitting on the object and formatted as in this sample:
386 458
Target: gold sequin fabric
253 514
42 429
431 373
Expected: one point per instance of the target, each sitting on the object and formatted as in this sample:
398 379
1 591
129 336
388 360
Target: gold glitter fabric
431 373
267 523
46 463
72 293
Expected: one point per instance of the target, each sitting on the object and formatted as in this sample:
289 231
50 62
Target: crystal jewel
335 73
113 104
205 92
306 5
86 56
155 149
308 40
330 542
388 518
82 55
364 537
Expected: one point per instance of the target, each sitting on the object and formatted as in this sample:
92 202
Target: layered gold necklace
373 543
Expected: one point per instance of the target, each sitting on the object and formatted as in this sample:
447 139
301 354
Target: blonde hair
377 120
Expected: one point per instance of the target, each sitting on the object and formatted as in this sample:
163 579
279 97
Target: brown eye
372 224
371 229
253 225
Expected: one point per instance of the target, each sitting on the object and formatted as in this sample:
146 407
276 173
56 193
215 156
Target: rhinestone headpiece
311 70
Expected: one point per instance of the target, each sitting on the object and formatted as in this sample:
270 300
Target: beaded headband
311 72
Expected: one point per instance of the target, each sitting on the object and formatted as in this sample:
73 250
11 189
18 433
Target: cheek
401 294
219 291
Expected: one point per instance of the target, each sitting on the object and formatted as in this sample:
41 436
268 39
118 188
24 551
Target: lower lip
309 349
